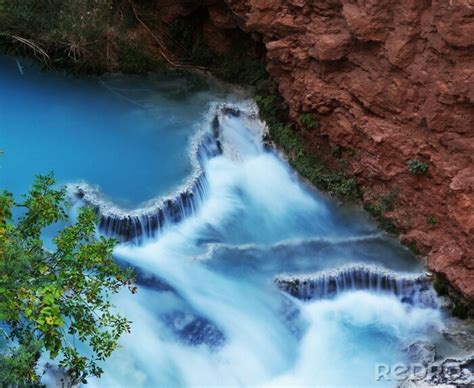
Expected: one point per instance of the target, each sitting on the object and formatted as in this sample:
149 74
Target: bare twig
37 49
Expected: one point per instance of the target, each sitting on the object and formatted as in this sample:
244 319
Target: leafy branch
49 298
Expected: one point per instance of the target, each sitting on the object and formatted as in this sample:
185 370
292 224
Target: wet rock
451 372
422 352
267 141
460 334
231 111
215 126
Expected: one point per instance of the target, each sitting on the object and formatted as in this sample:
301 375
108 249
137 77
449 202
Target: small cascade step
137 225
144 223
409 288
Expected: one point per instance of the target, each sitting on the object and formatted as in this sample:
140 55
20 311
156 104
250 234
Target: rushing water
253 280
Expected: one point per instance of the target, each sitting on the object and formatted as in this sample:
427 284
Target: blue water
208 312
121 133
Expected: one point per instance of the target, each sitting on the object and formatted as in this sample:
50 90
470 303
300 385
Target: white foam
253 199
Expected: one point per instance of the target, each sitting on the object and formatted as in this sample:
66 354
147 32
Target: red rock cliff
393 80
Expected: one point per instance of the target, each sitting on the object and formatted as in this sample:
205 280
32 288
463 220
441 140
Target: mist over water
208 310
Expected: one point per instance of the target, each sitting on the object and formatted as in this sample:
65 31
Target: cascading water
208 311
409 288
214 306
144 223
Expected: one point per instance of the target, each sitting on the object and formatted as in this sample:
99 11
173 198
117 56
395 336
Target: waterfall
144 223
215 218
414 289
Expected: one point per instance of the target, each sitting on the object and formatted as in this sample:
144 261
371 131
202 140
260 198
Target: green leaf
44 295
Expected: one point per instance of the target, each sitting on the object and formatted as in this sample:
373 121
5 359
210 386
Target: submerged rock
149 280
193 330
